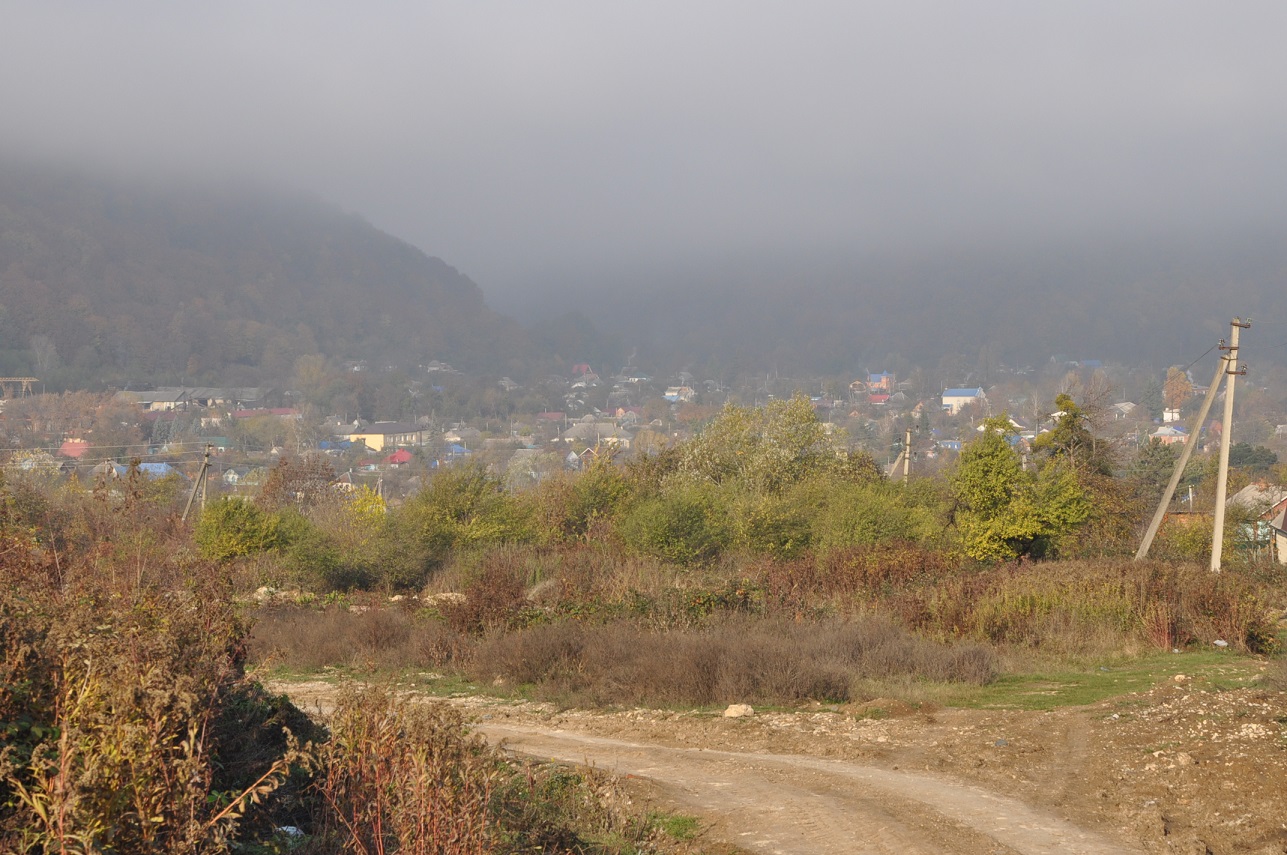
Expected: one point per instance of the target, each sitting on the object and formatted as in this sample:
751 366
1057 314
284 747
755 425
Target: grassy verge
1044 688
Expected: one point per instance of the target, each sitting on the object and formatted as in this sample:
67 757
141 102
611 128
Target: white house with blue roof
954 400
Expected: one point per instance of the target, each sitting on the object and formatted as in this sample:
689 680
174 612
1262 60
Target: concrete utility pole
907 457
1189 444
1232 370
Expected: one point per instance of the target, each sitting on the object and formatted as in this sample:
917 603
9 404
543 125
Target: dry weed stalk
403 777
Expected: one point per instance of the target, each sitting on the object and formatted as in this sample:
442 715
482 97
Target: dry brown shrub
404 777
849 577
114 707
389 638
737 659
495 598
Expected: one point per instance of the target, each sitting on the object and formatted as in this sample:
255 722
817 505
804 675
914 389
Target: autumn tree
1178 389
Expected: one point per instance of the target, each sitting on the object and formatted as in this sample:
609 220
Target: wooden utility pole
199 484
1232 370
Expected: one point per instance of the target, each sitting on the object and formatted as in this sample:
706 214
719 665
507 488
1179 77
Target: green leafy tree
570 506
685 526
1072 443
1256 458
234 528
1152 468
1005 512
766 449
864 514
461 508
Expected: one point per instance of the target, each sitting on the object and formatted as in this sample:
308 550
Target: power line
124 448
1199 359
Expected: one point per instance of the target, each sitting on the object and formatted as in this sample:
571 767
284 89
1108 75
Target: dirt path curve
792 804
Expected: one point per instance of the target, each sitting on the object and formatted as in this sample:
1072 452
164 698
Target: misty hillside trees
102 281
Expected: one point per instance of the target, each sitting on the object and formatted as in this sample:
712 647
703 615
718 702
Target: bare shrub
302 638
846 577
736 659
495 597
403 777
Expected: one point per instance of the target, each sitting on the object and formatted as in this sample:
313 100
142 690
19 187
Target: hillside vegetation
108 281
753 563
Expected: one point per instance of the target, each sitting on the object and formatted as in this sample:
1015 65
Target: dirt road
788 804
1181 769
1191 768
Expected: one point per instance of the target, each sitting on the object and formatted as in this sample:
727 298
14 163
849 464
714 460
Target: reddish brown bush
738 659
305 639
495 598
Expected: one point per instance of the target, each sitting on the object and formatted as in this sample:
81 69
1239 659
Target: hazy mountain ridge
1160 301
107 281
219 283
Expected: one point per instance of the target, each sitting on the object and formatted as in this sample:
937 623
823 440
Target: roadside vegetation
761 562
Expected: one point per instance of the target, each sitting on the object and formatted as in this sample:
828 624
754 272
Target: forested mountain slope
109 281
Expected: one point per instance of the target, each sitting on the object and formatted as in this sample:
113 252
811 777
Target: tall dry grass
1071 608
378 638
739 659
401 777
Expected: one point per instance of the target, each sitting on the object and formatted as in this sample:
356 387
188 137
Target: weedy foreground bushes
402 775
122 716
128 726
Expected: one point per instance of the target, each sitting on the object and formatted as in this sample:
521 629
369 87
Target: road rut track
800 805
790 784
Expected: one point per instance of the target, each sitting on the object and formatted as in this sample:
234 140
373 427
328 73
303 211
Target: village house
381 435
955 400
1169 435
590 432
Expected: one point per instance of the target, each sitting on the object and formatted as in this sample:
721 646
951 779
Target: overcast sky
530 143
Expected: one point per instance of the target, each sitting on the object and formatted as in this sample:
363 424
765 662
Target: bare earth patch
1179 769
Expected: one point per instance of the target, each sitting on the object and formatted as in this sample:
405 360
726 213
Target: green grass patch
1044 689
676 826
